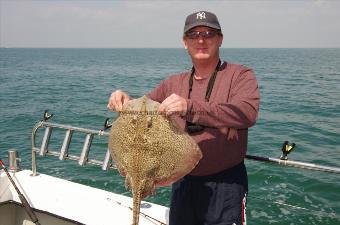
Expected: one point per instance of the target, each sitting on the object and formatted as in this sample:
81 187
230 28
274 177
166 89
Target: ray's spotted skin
149 149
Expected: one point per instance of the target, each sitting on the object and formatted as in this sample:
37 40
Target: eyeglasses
203 34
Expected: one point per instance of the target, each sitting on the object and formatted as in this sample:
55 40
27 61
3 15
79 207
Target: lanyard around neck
210 84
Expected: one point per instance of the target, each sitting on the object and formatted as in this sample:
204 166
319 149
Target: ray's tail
137 198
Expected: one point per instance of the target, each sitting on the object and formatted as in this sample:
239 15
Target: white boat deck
75 202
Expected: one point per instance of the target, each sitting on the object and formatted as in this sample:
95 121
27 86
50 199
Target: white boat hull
59 201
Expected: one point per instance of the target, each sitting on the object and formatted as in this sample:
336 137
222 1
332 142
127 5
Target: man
216 102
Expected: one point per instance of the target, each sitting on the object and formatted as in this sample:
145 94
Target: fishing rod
22 198
283 160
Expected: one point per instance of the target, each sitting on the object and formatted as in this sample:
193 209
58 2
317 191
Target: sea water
300 103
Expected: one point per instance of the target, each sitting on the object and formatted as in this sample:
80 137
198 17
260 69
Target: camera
193 128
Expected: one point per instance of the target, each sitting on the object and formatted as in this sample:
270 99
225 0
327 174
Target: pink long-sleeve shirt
233 108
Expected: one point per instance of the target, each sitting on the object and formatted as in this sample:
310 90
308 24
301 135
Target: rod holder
86 149
66 144
64 152
45 141
13 160
107 160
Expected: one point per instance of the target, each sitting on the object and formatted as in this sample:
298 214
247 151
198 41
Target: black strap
210 84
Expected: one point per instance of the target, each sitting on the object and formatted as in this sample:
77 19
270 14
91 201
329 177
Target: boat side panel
12 213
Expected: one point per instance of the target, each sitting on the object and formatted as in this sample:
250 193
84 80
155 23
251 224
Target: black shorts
217 199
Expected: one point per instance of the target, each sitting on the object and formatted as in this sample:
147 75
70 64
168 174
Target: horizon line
6 47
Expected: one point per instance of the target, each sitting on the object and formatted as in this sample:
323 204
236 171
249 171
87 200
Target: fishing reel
47 116
286 149
107 124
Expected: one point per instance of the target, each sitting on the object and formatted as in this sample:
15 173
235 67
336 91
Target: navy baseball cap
201 18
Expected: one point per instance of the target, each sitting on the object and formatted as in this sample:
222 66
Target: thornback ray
149 149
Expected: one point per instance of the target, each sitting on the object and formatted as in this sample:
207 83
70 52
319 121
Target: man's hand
174 104
117 100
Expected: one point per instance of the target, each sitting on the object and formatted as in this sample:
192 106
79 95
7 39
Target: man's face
203 42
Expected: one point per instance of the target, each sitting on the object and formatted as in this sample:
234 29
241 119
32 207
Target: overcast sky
256 24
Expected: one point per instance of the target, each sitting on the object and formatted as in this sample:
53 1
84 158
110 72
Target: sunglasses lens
193 34
203 34
208 34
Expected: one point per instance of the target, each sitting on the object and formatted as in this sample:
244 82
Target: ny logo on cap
200 15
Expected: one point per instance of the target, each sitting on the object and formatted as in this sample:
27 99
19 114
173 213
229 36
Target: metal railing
63 153
83 158
296 164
